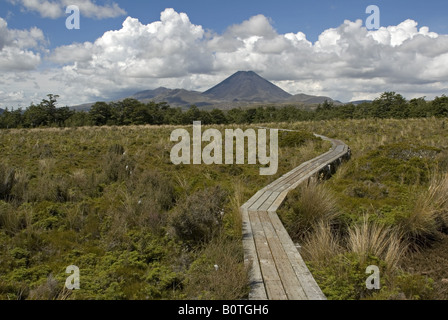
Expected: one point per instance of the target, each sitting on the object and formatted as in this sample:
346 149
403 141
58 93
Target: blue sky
310 17
313 47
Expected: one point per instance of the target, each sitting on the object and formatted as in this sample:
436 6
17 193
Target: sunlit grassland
109 200
388 201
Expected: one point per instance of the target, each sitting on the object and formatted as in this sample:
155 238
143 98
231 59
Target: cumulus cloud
16 48
56 8
346 63
396 35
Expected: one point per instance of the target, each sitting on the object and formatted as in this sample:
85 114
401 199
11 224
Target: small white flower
216 267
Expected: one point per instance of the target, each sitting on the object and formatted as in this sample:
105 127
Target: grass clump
373 239
307 207
430 213
7 179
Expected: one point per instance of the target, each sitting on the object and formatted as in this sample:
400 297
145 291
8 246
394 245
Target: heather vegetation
387 207
98 190
109 200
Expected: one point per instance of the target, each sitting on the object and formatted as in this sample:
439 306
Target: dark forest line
389 105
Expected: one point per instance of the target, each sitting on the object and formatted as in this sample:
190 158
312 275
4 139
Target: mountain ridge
243 88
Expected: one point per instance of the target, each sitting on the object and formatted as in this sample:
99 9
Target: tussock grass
372 238
430 213
437 195
321 245
310 205
234 219
7 179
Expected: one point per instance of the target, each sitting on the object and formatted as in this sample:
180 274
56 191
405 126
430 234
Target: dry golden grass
438 197
312 204
236 201
430 213
321 245
372 238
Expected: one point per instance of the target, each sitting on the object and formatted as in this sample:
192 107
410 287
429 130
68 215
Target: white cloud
16 48
56 8
397 35
347 62
258 25
171 47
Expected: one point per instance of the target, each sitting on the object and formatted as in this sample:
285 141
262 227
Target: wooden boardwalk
277 271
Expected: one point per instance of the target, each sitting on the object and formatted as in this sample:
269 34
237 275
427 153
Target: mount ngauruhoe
248 87
240 89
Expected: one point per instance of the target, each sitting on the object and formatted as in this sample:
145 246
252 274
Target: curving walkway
277 271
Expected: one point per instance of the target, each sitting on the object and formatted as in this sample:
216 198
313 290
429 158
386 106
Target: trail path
277 270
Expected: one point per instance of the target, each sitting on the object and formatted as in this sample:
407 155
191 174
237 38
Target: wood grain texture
276 268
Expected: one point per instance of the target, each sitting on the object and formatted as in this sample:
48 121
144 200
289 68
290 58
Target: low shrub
294 139
218 273
197 219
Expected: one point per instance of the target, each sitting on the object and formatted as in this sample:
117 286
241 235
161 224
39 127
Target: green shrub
295 139
415 286
218 273
344 277
199 217
152 184
116 164
401 163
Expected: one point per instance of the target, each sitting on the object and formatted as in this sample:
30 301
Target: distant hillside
307 99
242 89
360 101
150 94
1 110
174 97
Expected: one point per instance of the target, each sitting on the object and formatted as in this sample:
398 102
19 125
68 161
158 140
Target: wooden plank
258 291
298 172
252 200
291 283
275 290
260 201
278 202
267 264
309 285
269 201
313 166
